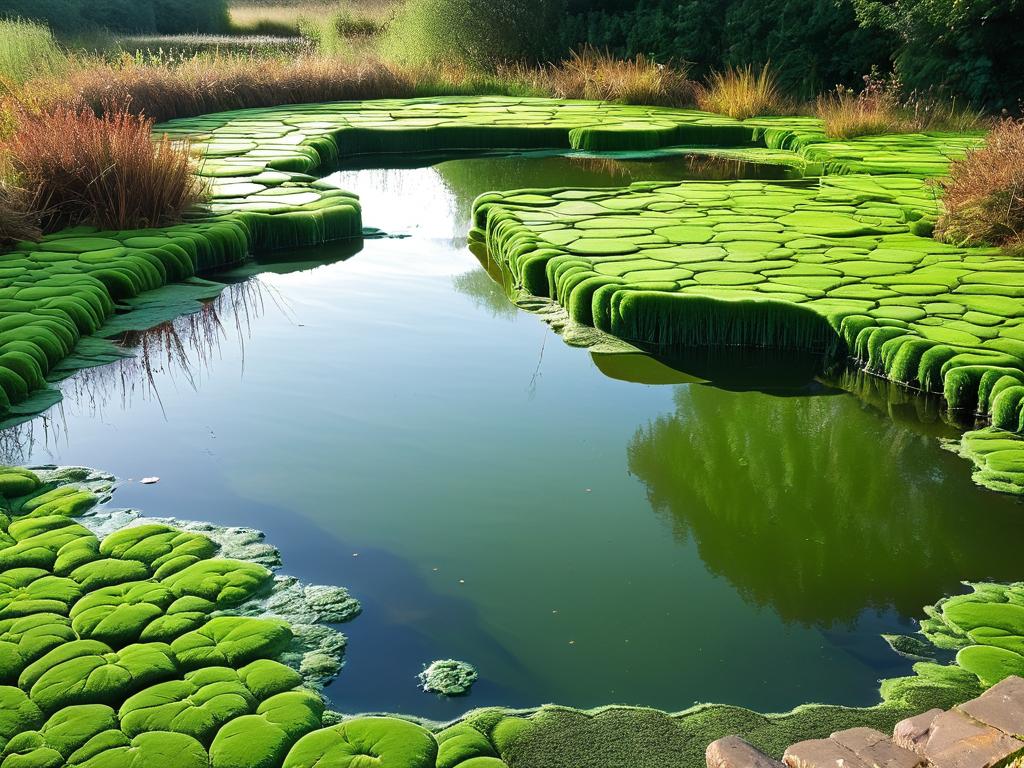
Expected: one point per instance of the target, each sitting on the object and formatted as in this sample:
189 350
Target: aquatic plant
743 92
105 171
448 677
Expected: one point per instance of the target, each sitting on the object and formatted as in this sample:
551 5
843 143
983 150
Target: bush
983 195
881 107
742 92
27 49
106 171
972 50
479 33
876 109
177 17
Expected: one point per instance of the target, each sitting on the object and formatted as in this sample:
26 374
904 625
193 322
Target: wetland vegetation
691 417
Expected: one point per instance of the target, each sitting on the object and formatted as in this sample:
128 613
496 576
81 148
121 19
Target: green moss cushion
197 705
147 750
371 742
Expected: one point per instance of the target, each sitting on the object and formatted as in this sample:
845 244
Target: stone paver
913 732
957 741
734 752
1001 706
822 753
981 733
876 749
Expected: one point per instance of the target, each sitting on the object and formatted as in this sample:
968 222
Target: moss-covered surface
258 163
151 646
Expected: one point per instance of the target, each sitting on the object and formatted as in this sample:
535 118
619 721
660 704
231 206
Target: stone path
987 732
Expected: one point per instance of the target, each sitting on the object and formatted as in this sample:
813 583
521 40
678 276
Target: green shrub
475 32
812 44
175 17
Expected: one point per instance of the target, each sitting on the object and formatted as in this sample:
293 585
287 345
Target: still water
584 530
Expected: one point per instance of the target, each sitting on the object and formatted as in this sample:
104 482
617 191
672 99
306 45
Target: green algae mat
139 647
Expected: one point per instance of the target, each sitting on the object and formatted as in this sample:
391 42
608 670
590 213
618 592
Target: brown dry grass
847 114
742 92
593 74
983 195
211 84
17 219
105 171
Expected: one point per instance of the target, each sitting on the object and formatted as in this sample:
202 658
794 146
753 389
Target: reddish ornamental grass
106 171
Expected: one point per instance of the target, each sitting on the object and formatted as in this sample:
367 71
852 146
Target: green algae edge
258 164
134 649
840 269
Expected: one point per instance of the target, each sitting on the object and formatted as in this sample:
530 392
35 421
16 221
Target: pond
584 529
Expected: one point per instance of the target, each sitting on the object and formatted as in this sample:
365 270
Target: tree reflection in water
818 506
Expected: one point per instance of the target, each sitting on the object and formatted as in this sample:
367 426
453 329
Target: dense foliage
477 32
811 44
973 49
164 16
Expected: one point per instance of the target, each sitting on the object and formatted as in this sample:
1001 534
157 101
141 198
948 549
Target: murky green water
584 530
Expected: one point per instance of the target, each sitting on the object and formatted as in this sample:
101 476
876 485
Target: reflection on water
583 528
815 513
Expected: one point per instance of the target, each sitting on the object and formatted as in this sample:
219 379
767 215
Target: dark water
584 529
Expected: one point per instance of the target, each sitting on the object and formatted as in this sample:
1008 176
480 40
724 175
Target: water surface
583 529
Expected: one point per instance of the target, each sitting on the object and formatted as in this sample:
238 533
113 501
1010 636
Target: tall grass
27 50
983 195
107 171
847 114
593 74
17 219
284 20
742 92
881 107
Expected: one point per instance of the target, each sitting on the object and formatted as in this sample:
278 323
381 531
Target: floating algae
448 677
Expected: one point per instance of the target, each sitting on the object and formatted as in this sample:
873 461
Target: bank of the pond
123 640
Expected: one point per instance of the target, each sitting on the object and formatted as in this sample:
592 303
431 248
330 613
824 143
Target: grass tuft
27 50
742 92
594 74
983 195
17 219
106 171
881 108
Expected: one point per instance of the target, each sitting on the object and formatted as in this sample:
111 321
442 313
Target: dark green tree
974 50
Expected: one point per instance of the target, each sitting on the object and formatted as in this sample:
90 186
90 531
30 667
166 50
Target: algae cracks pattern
260 162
